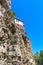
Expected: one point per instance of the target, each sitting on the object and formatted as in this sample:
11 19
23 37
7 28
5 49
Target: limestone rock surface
15 48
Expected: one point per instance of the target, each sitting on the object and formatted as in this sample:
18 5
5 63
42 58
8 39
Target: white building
19 22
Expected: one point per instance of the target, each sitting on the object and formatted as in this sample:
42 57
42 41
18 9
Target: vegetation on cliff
39 58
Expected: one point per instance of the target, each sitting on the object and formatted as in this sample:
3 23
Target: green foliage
41 53
12 13
39 58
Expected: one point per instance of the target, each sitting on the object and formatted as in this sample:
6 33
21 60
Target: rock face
15 47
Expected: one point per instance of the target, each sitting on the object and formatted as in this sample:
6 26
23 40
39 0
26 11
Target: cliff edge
15 48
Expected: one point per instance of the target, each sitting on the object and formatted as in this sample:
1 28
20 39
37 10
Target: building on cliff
15 48
26 41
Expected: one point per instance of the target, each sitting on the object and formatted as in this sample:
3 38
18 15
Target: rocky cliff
15 48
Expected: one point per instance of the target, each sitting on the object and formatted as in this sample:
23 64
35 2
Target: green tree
39 58
41 53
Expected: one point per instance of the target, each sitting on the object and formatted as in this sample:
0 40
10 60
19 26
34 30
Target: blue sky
31 12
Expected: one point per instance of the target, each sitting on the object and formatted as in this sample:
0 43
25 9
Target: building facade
19 23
